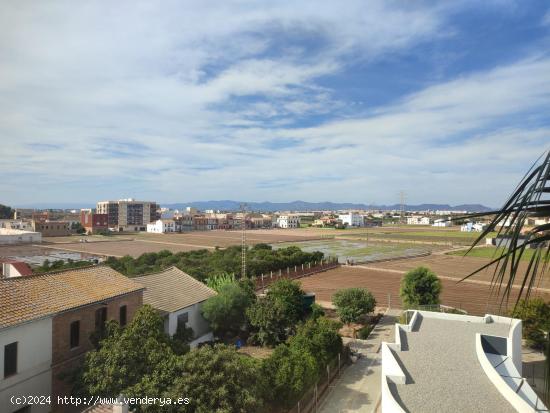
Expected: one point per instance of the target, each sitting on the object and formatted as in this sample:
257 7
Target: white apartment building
352 219
129 214
288 221
418 220
162 226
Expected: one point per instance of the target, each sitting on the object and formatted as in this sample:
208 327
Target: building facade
129 214
352 219
288 221
15 236
52 228
162 226
92 222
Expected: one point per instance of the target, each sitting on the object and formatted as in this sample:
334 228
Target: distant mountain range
227 205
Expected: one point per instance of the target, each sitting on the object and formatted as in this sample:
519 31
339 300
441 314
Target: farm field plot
121 248
454 266
472 297
491 253
36 255
357 250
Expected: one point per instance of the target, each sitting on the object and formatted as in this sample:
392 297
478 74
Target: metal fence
310 401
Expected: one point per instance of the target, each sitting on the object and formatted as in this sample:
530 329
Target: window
10 359
100 318
75 334
183 319
122 315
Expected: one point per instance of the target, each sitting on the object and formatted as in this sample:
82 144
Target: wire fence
310 401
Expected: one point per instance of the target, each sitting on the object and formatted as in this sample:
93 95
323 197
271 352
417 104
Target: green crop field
491 252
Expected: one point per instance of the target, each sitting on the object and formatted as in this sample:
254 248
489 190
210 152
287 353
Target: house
14 268
444 362
46 322
16 236
418 220
93 222
178 297
352 219
472 227
441 223
288 221
162 226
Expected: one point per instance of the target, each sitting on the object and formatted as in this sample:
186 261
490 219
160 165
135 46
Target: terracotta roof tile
172 289
26 298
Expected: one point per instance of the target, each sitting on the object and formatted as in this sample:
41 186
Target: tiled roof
26 298
172 289
22 268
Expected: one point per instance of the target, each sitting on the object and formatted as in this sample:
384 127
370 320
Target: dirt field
453 266
472 297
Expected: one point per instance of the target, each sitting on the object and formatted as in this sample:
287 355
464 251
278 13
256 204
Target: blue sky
342 101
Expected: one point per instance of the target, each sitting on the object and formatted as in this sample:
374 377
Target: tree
290 371
6 212
131 359
219 380
226 311
420 286
275 317
352 303
535 314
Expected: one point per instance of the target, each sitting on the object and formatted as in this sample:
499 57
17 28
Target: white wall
196 322
34 358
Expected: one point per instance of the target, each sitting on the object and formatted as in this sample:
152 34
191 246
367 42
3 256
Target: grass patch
490 252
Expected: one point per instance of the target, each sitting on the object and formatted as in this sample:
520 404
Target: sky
344 101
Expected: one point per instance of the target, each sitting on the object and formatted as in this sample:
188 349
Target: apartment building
288 221
352 219
129 214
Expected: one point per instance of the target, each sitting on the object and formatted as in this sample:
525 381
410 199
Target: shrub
535 314
420 286
352 303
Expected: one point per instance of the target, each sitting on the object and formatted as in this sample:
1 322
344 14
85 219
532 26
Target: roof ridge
55 272
160 271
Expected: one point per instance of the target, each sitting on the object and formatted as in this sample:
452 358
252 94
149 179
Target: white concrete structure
288 221
352 219
456 363
15 236
16 224
33 375
418 220
162 226
179 298
472 227
441 223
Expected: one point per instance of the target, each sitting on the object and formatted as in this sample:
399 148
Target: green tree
131 359
290 372
352 303
535 314
420 286
226 311
6 212
219 380
275 317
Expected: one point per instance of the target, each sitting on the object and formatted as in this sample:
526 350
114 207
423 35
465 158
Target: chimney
120 406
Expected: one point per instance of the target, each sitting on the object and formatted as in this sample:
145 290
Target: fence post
295 268
287 270
302 267
328 374
263 288
315 397
298 406
280 272
338 364
270 274
309 264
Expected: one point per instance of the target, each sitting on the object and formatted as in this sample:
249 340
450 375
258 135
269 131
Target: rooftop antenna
243 240
402 197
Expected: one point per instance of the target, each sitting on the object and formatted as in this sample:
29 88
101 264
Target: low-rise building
14 268
162 226
456 363
16 224
178 297
352 219
288 221
93 222
46 322
473 227
418 220
52 228
16 236
441 223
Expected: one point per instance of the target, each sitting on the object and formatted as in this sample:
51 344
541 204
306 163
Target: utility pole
243 240
402 197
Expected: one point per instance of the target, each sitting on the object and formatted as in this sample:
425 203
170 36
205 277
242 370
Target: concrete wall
34 356
196 321
14 236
